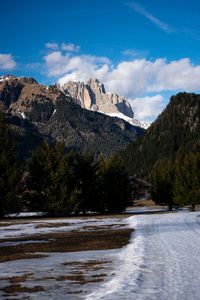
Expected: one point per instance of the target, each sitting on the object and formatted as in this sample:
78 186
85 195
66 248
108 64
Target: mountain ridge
177 129
38 112
93 96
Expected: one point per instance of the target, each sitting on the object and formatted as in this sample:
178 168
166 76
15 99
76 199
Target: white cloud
76 67
132 53
139 77
142 11
70 47
7 62
133 79
52 46
147 107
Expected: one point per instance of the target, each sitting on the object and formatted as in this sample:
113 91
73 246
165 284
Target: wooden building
140 188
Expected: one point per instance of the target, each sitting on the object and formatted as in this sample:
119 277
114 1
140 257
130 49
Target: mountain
37 112
176 129
93 96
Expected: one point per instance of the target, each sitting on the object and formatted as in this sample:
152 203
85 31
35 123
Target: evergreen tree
162 178
39 168
115 185
9 172
187 182
86 183
52 179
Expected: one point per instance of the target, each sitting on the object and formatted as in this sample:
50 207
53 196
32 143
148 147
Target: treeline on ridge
168 155
59 183
176 130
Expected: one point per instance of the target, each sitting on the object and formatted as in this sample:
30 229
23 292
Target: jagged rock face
79 92
94 97
41 112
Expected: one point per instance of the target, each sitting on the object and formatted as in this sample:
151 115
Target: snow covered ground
161 261
57 275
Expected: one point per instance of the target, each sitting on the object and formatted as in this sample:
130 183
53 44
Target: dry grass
17 255
21 278
3 224
17 288
65 242
52 225
80 279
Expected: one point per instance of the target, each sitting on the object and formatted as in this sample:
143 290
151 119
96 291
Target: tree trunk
193 207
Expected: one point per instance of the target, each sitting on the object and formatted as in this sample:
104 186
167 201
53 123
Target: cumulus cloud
141 76
133 79
76 67
68 47
52 46
7 62
147 107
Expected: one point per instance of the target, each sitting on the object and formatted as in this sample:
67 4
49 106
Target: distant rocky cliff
93 96
38 112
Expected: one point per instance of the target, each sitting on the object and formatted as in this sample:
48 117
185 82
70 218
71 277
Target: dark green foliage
9 172
51 180
177 182
83 130
115 185
86 184
187 180
62 183
177 129
162 179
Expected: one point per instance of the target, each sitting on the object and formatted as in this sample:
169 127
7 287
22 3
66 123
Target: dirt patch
65 242
17 255
22 278
80 279
5 224
103 227
17 288
52 225
90 265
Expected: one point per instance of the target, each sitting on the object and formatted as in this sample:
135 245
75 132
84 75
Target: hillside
176 129
37 112
93 96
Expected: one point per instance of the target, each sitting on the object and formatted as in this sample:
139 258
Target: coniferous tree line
177 129
176 183
61 183
58 182
9 171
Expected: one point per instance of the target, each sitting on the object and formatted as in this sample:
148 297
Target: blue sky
144 50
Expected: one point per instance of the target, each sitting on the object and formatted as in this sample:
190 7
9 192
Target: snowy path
162 260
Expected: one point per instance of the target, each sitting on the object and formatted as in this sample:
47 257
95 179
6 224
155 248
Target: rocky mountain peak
96 86
93 96
39 112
